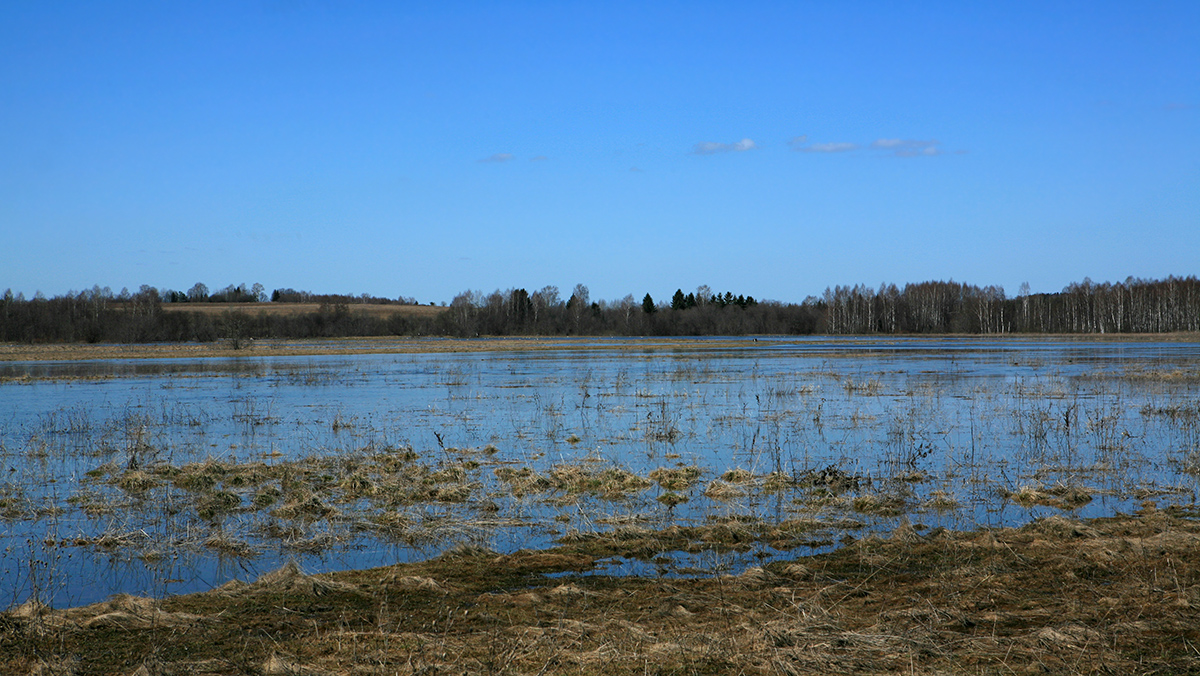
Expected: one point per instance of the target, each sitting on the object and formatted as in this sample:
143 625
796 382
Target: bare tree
582 295
198 293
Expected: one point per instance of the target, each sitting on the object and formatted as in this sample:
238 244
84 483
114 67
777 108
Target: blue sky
768 148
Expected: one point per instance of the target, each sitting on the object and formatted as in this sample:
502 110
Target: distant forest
153 315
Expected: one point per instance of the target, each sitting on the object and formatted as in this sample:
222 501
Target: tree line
1132 306
98 315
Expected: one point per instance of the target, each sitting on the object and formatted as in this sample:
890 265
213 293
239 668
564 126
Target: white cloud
499 157
908 147
897 147
539 158
711 148
828 148
928 151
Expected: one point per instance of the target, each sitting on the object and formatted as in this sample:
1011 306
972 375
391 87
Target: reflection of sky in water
975 416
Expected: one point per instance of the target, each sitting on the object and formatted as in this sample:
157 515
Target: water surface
942 432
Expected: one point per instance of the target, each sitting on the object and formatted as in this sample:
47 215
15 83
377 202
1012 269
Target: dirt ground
1118 595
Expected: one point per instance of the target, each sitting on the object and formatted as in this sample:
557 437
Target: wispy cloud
499 157
711 148
801 145
908 147
538 158
895 147
829 148
1180 106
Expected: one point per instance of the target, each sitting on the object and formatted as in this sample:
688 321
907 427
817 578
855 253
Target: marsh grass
665 446
738 476
880 504
611 482
1063 497
523 481
15 502
870 388
676 478
722 491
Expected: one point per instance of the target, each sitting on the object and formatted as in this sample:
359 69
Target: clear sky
767 148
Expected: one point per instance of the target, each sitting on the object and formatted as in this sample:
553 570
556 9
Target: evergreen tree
678 300
648 305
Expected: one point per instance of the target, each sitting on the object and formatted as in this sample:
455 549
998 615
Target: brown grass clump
671 498
942 501
738 476
777 482
227 545
612 483
723 492
307 508
136 482
676 478
1062 497
217 503
879 505
121 611
14 501
358 484
833 480
1118 595
452 493
522 481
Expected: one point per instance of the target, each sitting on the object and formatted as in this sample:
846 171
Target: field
377 309
913 505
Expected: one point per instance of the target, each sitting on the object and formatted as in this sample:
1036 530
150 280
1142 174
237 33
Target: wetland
590 473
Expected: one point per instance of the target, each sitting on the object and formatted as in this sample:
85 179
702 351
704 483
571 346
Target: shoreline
19 352
1117 594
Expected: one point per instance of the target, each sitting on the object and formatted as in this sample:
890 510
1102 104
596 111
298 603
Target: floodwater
851 435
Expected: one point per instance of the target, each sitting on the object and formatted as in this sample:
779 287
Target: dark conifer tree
678 300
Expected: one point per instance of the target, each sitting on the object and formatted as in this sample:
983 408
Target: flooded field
157 477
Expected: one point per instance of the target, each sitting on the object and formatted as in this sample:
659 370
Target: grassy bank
1116 595
385 345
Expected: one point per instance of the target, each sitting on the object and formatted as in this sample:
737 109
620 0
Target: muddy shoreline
1114 595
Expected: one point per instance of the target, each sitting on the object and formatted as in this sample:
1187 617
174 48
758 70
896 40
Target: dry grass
1117 595
1059 496
388 345
296 348
678 478
292 309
